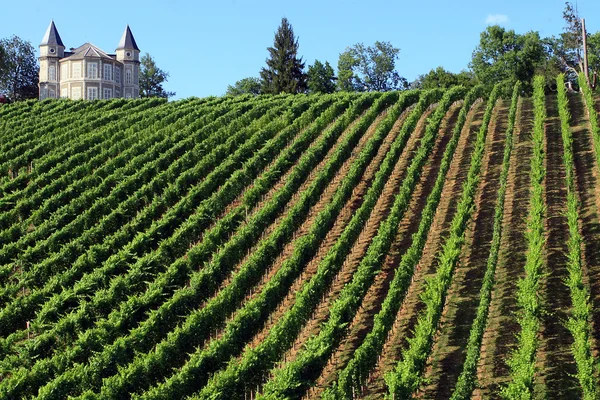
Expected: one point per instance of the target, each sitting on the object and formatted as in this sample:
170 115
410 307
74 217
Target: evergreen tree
321 78
152 79
284 71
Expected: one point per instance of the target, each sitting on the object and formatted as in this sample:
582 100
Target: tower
52 50
129 54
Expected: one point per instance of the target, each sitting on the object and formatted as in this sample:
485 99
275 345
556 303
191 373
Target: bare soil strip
499 336
343 219
555 376
463 297
379 214
407 315
363 321
324 199
588 188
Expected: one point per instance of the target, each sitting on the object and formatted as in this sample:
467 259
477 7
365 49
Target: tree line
502 56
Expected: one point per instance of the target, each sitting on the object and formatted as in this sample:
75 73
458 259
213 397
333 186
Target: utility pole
585 58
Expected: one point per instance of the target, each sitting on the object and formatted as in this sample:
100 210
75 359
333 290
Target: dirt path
407 315
555 375
463 297
325 197
363 320
588 188
499 336
340 224
352 261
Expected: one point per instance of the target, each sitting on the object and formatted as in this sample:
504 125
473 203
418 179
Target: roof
88 50
128 41
52 37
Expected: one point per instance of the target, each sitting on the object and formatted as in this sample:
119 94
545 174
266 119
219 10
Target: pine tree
284 71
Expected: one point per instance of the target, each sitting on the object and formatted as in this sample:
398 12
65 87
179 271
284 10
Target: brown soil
379 213
340 224
556 365
449 348
499 335
325 197
363 321
588 188
411 305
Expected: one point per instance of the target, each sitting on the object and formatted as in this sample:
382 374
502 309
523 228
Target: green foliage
244 86
284 71
152 79
522 361
442 79
579 322
19 71
321 78
467 380
504 56
406 377
294 378
588 98
369 68
354 375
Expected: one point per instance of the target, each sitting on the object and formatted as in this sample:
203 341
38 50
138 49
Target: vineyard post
585 58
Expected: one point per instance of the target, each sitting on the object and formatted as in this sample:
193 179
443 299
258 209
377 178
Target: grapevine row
522 361
354 375
467 379
579 322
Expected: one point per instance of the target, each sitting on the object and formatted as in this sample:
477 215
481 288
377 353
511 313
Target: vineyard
440 244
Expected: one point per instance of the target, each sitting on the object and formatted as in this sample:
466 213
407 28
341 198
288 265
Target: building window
52 93
127 95
107 94
128 77
64 72
76 93
52 73
117 74
77 70
92 93
107 72
52 50
92 70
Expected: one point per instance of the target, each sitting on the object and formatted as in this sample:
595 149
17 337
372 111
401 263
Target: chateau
87 72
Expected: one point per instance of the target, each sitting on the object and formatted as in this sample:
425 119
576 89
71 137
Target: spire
128 41
52 37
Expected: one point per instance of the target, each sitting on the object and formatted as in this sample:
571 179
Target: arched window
128 77
52 73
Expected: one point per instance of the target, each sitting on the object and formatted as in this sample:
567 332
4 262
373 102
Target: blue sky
206 45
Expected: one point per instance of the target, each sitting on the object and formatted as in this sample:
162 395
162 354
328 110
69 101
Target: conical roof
52 38
128 41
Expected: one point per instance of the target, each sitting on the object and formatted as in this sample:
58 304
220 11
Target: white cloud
496 19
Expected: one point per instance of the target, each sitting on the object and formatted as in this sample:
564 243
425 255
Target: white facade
87 72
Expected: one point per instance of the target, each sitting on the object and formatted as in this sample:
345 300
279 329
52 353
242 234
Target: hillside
427 244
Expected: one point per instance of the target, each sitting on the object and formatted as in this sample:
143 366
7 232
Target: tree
284 71
19 72
244 86
505 56
152 79
440 78
321 78
369 68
